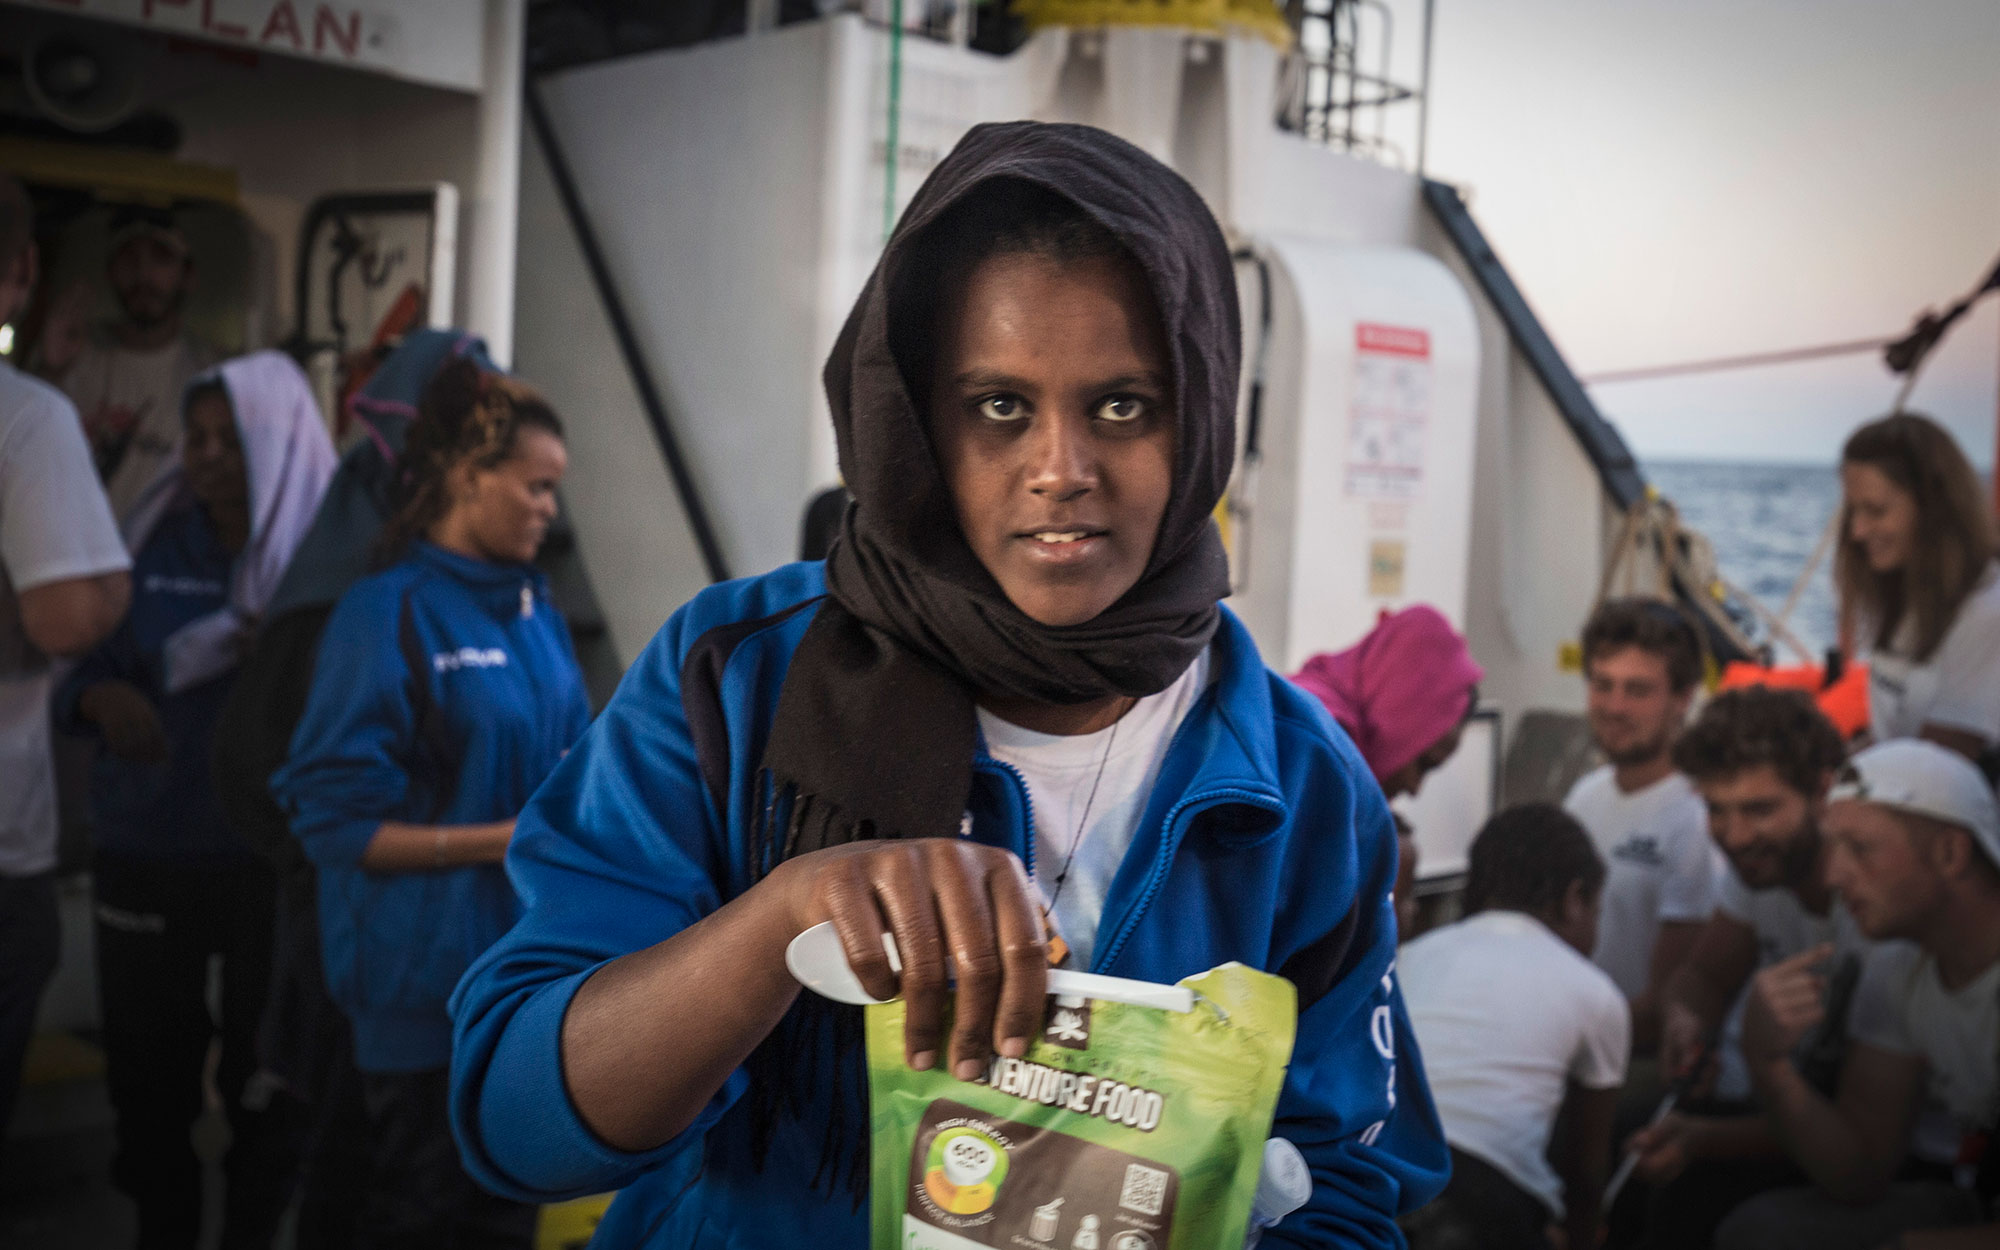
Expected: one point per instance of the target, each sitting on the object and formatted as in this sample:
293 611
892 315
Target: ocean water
1764 521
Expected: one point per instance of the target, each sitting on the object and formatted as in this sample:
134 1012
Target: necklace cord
1083 821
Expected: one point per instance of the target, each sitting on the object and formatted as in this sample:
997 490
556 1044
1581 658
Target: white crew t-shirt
1507 1014
1661 866
1783 928
1903 1007
54 526
1088 793
1783 925
1957 688
137 390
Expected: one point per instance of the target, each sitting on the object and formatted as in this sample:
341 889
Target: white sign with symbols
1391 414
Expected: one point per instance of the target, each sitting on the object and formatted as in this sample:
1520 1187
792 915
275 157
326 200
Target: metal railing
1339 87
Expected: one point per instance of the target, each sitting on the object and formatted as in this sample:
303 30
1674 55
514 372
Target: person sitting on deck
1914 837
1919 589
1762 760
1403 694
1641 662
1520 1032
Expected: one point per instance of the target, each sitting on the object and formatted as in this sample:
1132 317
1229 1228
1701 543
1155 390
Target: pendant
1057 948
527 601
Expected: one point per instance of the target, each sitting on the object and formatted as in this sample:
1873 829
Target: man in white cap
1915 856
126 377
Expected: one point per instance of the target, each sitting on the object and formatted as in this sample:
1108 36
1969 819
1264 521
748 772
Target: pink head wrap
1400 690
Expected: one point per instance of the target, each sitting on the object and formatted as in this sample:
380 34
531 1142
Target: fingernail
1014 1047
923 1060
967 1069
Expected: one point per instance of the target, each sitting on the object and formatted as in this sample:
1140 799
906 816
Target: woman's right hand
939 897
127 719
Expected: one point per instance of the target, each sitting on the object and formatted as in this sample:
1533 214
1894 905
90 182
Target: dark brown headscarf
875 729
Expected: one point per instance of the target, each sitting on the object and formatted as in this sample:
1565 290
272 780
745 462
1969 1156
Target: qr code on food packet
1145 1188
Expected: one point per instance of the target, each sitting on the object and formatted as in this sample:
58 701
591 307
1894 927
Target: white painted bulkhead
1369 346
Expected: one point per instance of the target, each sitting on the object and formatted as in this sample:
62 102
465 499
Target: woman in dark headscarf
1006 720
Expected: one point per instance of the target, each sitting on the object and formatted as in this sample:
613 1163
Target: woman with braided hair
445 690
1007 720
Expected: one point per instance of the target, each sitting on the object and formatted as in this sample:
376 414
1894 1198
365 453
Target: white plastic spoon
817 959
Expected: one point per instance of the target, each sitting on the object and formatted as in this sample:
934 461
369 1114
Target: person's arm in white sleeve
69 616
1687 900
58 541
1581 1147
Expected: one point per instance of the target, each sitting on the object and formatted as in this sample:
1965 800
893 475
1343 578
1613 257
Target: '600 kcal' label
980 1181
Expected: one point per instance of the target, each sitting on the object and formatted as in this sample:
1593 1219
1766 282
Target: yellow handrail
116 174
1259 17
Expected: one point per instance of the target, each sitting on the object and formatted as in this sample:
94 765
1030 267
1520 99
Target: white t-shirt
1088 792
54 526
1783 928
1902 1007
1783 925
139 390
1661 866
1957 688
1507 1014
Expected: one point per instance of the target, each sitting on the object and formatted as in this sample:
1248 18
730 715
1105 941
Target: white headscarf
289 459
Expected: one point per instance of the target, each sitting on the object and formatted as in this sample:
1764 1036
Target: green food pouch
1124 1127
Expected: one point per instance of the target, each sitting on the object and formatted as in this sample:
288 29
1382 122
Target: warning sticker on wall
1385 568
1388 426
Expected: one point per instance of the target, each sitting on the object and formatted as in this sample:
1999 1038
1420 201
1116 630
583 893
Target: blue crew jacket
445 690
164 810
1264 841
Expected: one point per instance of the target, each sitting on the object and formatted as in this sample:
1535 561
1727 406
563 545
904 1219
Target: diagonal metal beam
628 341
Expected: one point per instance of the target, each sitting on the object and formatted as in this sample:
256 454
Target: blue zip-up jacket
164 810
1264 841
445 690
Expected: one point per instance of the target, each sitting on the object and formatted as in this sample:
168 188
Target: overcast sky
1675 180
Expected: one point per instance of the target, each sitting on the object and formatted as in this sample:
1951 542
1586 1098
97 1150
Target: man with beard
126 377
1898 1150
1762 760
1641 661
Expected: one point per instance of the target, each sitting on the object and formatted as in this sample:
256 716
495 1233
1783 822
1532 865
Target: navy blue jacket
445 690
1264 841
164 810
